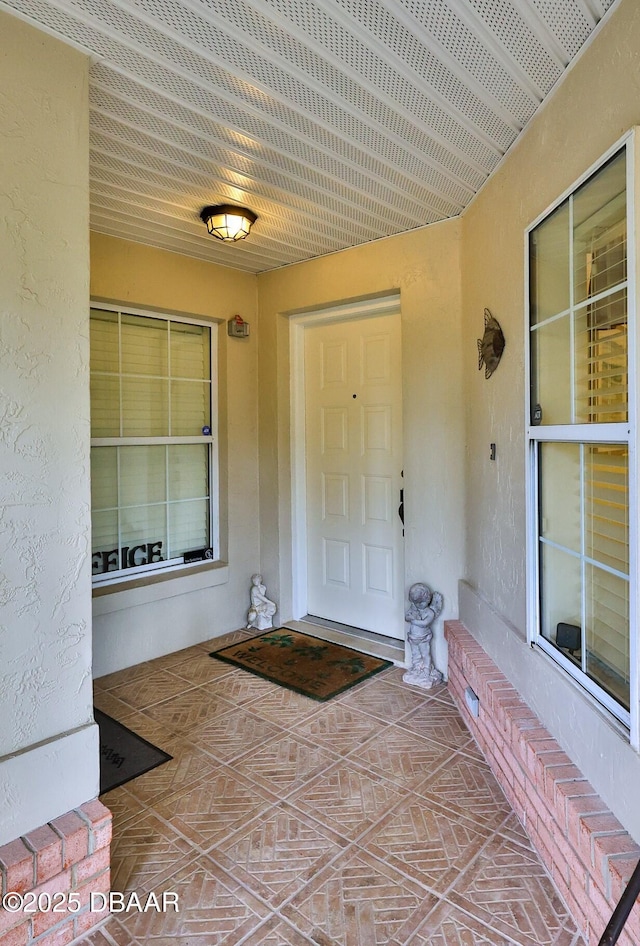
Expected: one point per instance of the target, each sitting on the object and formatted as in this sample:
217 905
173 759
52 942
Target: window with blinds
579 443
151 442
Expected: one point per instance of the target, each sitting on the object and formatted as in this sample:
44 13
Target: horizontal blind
190 351
104 530
188 526
145 407
150 377
190 407
105 405
607 540
142 475
601 394
188 469
104 478
104 331
145 346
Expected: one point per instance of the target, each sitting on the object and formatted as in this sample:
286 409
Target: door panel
354 459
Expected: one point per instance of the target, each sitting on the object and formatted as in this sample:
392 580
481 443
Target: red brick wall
583 846
68 856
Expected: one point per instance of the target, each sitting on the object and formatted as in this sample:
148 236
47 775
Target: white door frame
362 309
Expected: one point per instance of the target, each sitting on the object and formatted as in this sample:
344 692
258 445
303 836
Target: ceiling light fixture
228 222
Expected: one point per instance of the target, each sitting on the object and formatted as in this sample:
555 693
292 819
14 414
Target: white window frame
624 433
172 566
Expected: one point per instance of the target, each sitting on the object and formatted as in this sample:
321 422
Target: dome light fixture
228 222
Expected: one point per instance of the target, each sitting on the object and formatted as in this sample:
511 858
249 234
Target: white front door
353 412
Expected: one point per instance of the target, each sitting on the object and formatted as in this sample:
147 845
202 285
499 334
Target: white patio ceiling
336 121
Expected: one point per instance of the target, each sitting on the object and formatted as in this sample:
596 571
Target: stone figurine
262 609
424 607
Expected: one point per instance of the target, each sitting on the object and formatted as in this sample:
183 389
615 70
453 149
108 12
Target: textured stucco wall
128 273
596 103
598 100
424 265
45 593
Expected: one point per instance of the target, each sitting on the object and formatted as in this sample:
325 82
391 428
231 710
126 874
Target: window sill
609 718
155 587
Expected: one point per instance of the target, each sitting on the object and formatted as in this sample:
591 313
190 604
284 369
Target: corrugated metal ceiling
336 121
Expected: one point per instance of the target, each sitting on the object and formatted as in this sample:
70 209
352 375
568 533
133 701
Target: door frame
388 304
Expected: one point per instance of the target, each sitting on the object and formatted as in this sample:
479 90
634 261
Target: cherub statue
425 606
262 609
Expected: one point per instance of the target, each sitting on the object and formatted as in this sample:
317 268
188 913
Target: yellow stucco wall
142 276
48 743
146 276
424 265
597 101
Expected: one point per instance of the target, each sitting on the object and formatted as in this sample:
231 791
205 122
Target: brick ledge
584 847
71 854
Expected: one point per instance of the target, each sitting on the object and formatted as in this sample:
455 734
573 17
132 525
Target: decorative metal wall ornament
491 345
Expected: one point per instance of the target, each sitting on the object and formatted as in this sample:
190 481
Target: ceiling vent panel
163 217
227 96
141 106
126 136
571 31
368 128
215 46
440 23
158 191
336 121
108 152
378 21
106 183
307 141
521 43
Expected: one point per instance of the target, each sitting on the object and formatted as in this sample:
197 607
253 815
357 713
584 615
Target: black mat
123 754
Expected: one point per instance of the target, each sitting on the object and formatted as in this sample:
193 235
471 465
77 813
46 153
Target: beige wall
48 743
424 265
165 618
597 102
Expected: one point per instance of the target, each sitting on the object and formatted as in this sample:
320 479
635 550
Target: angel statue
425 606
262 609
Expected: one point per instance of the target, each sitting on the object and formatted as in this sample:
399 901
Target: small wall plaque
237 327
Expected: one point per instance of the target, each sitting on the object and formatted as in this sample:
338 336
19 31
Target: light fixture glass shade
228 222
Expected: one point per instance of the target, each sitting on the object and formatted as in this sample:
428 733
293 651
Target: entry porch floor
371 819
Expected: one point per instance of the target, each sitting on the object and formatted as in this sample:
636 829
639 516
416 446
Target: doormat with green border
316 668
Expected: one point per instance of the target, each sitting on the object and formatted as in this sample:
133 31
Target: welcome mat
123 754
316 668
